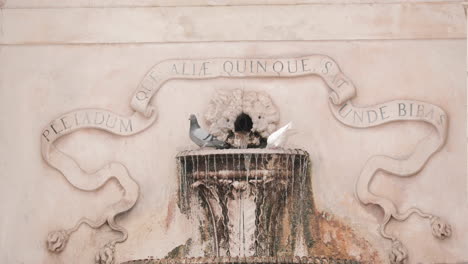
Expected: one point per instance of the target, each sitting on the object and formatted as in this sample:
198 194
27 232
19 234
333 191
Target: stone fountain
250 204
255 202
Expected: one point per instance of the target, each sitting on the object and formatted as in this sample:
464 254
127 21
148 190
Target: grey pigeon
202 138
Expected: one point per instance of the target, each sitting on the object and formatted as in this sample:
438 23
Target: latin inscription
81 119
239 68
395 110
235 67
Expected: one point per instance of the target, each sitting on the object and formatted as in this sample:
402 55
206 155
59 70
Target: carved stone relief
222 116
225 111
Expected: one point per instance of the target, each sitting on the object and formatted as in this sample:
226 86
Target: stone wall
58 56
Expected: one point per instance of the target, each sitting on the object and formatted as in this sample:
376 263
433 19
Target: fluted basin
246 260
255 201
242 164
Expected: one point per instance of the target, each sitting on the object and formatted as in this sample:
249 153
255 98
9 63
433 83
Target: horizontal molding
232 23
161 3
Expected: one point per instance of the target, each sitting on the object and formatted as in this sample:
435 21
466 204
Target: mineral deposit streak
255 187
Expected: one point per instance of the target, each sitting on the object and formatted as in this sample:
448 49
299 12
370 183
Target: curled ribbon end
334 98
149 111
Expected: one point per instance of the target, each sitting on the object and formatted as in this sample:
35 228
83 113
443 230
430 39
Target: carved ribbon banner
341 95
85 181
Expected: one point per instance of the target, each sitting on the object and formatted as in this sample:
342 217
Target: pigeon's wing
218 143
202 134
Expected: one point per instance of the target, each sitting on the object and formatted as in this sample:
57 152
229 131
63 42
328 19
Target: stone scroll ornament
342 91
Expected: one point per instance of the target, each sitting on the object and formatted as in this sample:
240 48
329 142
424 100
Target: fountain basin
246 260
249 202
242 164
249 206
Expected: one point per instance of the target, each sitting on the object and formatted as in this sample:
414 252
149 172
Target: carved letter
361 117
225 69
259 65
96 118
371 120
289 66
127 128
304 65
65 124
278 63
401 109
420 111
238 68
45 134
53 128
107 121
174 69
382 113
204 69
327 65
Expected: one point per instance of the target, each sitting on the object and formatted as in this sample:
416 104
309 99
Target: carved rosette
398 254
57 240
440 228
228 106
106 255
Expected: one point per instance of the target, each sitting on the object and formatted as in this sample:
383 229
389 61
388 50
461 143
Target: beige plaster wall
58 56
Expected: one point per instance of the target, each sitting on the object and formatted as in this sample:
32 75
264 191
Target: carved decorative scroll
86 181
342 91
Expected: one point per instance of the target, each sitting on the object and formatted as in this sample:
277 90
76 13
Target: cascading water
254 185
249 206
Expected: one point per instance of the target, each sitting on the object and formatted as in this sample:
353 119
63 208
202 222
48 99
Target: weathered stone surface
189 24
56 60
174 3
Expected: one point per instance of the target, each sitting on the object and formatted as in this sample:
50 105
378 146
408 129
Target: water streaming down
251 202
253 186
247 204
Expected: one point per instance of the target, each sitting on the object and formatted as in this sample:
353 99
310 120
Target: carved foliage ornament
228 105
342 91
226 108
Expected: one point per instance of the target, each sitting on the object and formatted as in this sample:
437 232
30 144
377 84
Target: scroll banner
85 181
342 91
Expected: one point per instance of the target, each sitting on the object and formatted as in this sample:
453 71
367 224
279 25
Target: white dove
280 136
